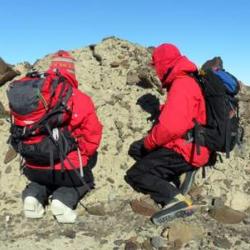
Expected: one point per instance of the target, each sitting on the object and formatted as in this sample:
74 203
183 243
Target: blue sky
30 29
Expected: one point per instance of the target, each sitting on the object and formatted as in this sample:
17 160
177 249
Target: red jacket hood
170 64
70 77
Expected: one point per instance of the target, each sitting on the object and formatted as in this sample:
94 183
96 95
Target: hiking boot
63 213
180 206
32 207
186 181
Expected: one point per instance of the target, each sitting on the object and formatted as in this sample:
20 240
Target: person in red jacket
66 187
164 154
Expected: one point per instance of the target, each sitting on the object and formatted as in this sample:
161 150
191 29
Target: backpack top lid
229 81
216 66
33 96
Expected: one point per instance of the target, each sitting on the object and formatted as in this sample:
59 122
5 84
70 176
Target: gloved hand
137 150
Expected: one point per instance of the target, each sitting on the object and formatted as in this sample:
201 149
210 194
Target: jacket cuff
148 144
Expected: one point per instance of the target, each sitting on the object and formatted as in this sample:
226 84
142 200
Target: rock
195 192
222 242
115 64
165 233
69 233
246 221
103 242
150 49
247 187
119 124
7 73
105 148
125 64
97 209
176 245
132 78
226 215
143 207
110 180
92 47
131 245
146 245
118 242
124 166
10 155
158 242
3 113
146 81
119 146
23 67
217 203
8 170
148 78
2 109
185 232
238 200
97 57
125 46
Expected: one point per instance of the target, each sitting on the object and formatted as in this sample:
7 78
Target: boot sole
161 216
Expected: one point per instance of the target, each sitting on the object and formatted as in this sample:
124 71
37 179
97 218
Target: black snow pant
66 186
157 174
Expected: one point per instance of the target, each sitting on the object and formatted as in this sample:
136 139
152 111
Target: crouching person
163 155
57 132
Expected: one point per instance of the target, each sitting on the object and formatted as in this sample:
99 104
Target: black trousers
157 174
67 186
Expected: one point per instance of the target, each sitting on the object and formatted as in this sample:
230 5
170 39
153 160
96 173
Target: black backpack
222 131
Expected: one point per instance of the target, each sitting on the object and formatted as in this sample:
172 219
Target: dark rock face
7 73
215 62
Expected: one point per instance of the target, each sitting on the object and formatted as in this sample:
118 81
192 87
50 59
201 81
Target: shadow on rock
150 103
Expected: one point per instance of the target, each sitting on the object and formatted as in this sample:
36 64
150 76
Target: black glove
137 150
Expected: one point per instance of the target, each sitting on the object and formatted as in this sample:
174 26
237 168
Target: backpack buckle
189 137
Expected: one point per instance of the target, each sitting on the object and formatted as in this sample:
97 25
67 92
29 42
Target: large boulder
7 73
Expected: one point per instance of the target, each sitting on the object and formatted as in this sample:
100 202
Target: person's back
70 177
185 102
166 154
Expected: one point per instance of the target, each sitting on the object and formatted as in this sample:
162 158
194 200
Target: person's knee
34 188
131 174
70 196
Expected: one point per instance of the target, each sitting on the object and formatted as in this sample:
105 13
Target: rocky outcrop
126 93
7 72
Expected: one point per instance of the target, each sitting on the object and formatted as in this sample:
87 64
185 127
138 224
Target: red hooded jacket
84 126
185 103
